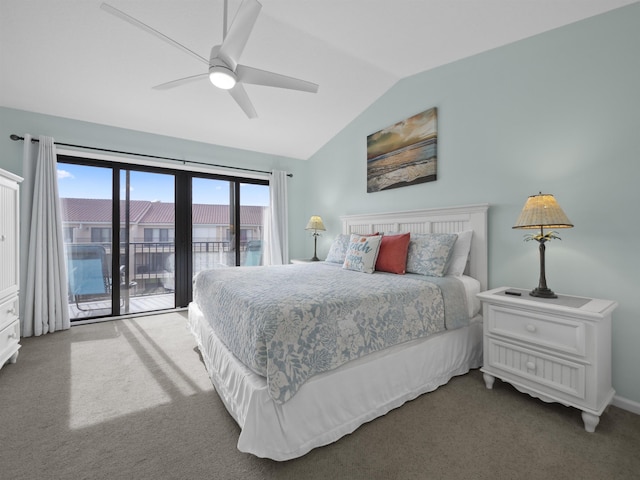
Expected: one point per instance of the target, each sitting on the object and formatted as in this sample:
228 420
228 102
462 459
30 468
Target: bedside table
303 260
555 349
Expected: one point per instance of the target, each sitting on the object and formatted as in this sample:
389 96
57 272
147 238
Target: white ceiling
72 59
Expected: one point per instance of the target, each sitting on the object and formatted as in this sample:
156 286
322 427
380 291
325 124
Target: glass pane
212 230
254 203
147 249
86 202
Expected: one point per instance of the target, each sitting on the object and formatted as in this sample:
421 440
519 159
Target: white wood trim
434 220
626 404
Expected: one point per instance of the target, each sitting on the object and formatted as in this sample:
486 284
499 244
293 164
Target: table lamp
542 211
315 224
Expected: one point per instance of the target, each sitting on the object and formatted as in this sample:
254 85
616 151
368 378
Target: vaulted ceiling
70 58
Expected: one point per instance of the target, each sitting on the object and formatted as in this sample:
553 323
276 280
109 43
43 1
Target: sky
80 181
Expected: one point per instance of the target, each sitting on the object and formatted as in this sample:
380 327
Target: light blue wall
83 133
558 113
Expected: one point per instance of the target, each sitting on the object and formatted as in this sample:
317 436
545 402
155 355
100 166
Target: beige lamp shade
542 211
315 223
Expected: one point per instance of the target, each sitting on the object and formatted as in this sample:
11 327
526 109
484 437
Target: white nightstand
303 260
558 350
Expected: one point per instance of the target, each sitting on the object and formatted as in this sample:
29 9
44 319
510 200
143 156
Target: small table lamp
542 211
315 224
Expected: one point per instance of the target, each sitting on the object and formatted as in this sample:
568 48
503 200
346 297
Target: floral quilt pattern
288 323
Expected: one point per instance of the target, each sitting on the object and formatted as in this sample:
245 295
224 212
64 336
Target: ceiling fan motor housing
220 73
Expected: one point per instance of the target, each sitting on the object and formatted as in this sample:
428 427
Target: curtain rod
15 138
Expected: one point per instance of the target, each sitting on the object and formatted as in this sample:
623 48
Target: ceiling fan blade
180 81
238 34
137 23
239 94
255 76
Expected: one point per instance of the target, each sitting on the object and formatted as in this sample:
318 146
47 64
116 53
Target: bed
287 408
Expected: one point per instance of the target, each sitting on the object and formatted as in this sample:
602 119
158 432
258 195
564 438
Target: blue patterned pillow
338 249
429 253
362 253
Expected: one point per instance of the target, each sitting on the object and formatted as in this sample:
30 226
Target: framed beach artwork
403 154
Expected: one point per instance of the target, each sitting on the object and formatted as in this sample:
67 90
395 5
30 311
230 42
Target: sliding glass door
86 195
147 241
213 243
228 223
117 268
135 236
253 220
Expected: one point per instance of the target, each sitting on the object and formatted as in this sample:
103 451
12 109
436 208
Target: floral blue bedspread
288 323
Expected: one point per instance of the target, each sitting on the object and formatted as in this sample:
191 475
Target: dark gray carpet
130 399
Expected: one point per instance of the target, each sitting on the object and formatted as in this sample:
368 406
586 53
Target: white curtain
43 289
276 234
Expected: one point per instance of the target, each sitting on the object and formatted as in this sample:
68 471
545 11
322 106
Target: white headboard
433 220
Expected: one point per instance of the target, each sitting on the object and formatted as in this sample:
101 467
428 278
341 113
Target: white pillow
458 260
362 253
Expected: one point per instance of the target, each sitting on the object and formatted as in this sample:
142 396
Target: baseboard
625 404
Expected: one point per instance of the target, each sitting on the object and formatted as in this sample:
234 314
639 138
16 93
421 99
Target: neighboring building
152 234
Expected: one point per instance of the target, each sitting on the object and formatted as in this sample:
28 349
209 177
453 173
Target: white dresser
558 350
10 267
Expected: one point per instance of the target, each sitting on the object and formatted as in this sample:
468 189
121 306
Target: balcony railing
146 277
150 266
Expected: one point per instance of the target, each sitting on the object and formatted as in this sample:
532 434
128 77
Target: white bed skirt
333 404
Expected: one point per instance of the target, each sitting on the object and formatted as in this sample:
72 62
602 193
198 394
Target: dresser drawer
8 311
538 368
543 330
9 337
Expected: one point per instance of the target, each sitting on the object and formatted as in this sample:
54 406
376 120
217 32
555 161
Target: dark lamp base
543 293
315 259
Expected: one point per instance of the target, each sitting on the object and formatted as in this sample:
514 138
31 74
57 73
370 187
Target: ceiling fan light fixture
222 77
223 58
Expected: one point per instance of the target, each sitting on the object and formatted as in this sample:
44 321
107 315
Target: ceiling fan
224 70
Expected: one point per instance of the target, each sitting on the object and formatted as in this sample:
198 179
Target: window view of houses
151 236
147 248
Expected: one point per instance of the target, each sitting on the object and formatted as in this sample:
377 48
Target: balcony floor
137 304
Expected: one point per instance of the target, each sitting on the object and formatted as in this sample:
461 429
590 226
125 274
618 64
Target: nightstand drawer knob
531 365
531 328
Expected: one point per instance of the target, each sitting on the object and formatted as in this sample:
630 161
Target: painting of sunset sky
403 154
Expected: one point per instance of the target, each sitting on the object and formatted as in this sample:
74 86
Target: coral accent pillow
392 256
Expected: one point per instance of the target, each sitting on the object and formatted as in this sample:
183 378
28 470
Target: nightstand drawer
538 368
542 330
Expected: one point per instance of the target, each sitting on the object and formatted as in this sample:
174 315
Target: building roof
95 210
